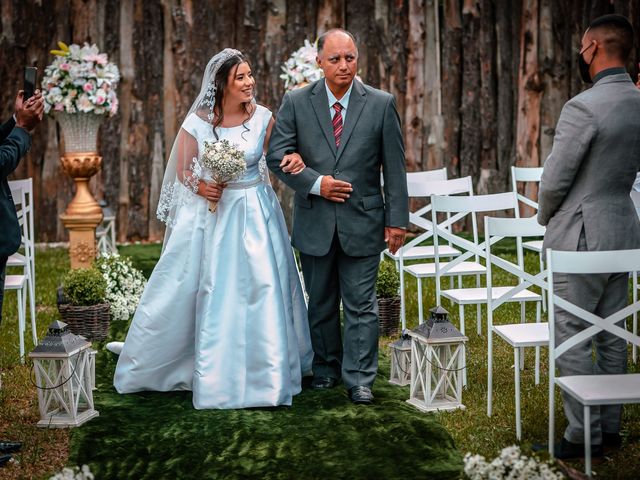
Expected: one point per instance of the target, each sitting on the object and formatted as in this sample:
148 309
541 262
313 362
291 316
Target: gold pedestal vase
81 161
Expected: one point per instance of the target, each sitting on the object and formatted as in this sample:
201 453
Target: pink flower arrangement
80 80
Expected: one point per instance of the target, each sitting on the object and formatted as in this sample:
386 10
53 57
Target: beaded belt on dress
244 184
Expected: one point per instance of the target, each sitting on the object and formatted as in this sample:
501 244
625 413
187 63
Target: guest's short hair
322 38
616 34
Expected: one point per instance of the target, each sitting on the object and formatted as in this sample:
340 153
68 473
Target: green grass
160 435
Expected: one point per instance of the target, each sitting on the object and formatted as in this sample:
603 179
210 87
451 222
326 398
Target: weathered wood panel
479 84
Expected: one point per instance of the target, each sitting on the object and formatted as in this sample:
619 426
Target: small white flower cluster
80 79
125 284
224 159
510 464
301 67
75 473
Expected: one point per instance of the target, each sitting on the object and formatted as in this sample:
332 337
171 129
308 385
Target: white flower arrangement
125 284
226 162
80 80
301 67
76 473
510 464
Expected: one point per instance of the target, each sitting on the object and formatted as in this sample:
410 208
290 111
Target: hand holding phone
30 77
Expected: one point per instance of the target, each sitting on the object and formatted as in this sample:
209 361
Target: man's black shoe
611 440
361 395
566 450
321 383
4 459
10 447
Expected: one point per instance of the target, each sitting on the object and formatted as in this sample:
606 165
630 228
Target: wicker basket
389 316
91 322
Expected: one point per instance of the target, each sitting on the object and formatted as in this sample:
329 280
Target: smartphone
30 76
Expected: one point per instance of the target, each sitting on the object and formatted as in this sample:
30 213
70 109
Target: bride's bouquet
226 162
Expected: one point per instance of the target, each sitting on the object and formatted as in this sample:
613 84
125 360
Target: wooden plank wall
506 69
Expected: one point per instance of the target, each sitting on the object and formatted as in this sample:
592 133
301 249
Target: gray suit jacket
371 139
588 176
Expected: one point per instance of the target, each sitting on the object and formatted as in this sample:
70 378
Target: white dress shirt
344 101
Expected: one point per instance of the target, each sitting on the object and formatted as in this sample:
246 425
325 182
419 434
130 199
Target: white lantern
401 361
437 364
63 370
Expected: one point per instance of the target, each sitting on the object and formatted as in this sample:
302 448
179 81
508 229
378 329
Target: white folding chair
22 193
525 175
459 208
518 335
413 250
106 232
590 390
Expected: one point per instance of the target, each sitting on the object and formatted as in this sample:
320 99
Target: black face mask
584 66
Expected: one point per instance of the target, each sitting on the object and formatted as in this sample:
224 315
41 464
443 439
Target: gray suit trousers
328 279
603 295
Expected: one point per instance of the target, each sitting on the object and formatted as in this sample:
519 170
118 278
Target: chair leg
516 358
552 413
420 312
32 308
634 347
587 440
522 320
537 374
21 322
478 311
543 291
489 372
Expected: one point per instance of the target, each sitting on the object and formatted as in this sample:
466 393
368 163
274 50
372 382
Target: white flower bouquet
226 162
80 79
75 473
509 464
301 68
125 284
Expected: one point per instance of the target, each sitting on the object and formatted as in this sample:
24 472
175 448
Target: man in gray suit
584 201
345 132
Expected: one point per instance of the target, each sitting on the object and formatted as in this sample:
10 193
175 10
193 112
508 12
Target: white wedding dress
223 313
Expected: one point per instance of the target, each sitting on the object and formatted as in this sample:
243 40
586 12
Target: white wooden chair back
456 186
525 174
22 193
615 261
458 208
496 229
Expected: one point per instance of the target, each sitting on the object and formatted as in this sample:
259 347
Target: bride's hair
220 82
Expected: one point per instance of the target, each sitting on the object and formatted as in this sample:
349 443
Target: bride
223 313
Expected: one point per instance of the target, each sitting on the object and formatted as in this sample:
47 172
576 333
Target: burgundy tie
337 123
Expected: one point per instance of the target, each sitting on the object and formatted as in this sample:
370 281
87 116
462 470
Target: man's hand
334 190
29 114
394 237
211 191
292 163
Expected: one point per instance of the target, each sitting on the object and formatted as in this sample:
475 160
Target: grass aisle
323 435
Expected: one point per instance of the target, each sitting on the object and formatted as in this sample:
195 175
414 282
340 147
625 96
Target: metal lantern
401 361
63 369
437 364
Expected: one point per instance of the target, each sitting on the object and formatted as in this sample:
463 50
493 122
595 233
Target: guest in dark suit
585 204
15 138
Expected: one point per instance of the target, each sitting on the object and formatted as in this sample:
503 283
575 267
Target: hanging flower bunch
80 79
301 68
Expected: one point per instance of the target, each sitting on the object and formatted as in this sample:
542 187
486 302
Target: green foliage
388 281
84 286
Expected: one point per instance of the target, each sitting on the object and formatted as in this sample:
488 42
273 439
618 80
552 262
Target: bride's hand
211 191
292 163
